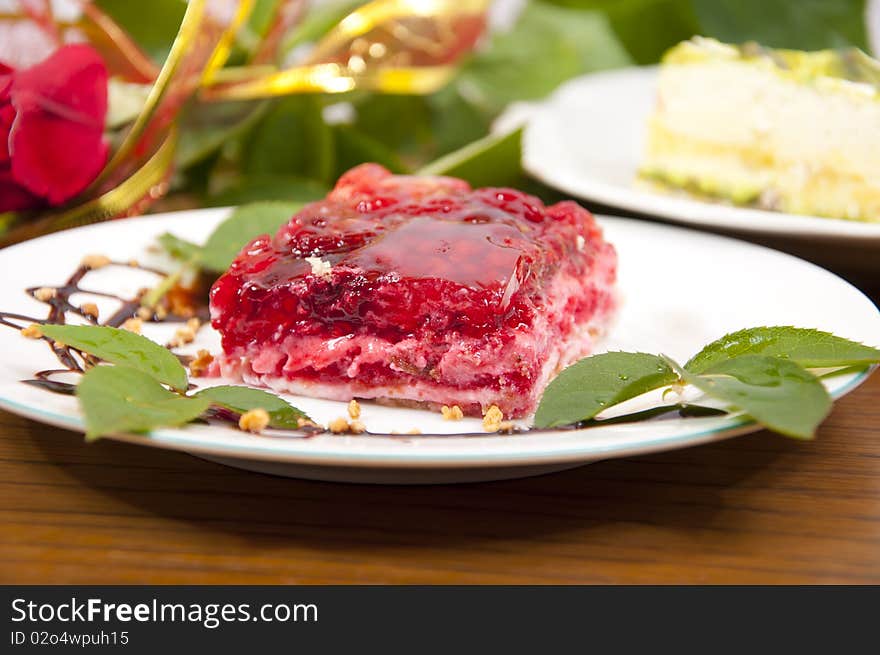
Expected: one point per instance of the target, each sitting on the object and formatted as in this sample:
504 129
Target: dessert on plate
792 131
417 290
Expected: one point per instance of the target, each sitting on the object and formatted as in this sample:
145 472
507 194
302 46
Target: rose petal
7 115
12 196
57 140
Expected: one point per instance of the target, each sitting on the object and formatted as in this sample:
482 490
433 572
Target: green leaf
245 224
493 161
353 148
268 188
207 127
455 122
547 46
777 393
670 21
153 25
802 25
122 347
179 248
118 399
291 139
596 383
243 399
402 123
807 347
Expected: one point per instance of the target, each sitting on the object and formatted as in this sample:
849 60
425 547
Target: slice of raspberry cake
417 290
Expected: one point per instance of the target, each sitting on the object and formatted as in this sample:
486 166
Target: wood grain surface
755 509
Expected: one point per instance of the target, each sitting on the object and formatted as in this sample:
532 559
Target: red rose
52 128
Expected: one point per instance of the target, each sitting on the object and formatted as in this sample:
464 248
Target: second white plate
587 140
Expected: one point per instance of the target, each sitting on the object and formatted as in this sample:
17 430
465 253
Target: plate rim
171 439
682 210
583 451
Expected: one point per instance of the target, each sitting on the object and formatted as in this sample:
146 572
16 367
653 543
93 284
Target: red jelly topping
405 254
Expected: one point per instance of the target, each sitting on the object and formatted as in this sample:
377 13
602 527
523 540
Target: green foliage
547 46
354 147
802 25
122 347
291 139
245 224
117 399
595 383
268 188
179 248
778 393
809 348
491 161
153 25
761 372
243 399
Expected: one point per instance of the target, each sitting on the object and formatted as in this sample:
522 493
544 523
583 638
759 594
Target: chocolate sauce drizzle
76 361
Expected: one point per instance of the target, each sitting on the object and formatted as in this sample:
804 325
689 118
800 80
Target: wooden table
756 509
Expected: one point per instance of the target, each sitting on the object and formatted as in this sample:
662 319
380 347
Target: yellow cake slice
792 131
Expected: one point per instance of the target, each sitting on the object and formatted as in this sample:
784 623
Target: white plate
587 140
680 290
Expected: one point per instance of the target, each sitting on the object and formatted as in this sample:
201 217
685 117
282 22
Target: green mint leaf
246 223
118 399
242 399
778 393
595 383
179 248
122 347
495 160
807 347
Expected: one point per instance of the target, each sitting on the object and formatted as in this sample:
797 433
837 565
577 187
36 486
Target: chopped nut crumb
144 313
44 294
492 419
200 364
32 331
133 325
354 409
255 420
453 413
89 309
506 427
180 304
96 261
133 263
357 427
194 324
320 268
306 423
183 335
161 312
338 425
414 431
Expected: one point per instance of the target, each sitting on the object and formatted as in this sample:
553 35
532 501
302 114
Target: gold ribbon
321 75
